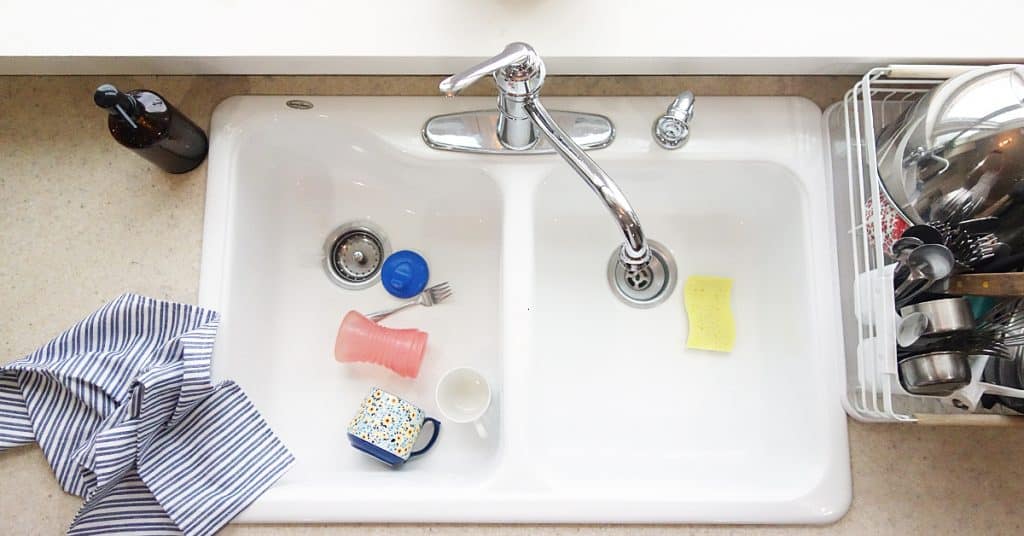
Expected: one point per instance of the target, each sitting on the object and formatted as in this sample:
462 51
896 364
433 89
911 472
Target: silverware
928 263
1004 323
999 334
939 366
970 248
903 246
900 251
429 297
936 373
970 251
968 343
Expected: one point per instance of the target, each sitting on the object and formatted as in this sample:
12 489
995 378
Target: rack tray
873 391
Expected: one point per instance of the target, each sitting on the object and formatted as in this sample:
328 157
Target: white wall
439 36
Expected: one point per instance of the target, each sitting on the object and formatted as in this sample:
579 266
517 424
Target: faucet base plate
476 132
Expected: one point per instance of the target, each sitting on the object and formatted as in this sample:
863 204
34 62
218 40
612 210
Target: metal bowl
959 151
946 315
935 373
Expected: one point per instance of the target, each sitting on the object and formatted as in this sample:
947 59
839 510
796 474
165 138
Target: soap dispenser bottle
144 122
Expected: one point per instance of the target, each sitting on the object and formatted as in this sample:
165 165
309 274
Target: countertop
83 220
434 36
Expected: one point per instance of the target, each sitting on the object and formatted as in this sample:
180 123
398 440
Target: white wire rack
873 391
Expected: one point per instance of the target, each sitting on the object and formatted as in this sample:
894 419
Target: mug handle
480 429
433 437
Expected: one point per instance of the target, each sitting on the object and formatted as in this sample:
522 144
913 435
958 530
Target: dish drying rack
873 392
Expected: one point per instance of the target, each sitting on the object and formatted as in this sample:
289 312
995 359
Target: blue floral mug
387 426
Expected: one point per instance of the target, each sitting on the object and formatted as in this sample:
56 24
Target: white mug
463 396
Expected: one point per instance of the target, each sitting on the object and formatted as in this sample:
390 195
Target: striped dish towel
124 410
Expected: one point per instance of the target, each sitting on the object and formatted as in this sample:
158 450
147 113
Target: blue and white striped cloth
124 410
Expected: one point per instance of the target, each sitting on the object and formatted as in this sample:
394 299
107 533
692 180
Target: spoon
903 246
900 250
928 263
926 233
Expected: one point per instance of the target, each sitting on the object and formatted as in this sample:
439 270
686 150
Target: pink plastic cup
361 339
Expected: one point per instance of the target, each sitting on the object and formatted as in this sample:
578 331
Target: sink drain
647 286
354 253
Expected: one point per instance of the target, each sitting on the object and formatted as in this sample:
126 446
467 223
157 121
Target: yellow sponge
707 308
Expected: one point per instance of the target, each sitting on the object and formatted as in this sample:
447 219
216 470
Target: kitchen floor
83 220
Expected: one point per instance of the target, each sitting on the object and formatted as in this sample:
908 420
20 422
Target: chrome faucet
519 74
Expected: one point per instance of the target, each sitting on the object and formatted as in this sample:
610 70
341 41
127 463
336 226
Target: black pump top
115 101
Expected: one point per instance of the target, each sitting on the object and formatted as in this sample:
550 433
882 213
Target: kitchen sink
600 412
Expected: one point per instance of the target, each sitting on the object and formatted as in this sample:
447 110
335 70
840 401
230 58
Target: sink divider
517 272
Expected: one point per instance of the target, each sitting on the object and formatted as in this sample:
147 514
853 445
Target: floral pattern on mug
387 422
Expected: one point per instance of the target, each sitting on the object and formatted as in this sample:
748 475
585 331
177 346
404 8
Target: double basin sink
600 412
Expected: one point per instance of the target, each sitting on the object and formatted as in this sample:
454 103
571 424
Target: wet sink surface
600 412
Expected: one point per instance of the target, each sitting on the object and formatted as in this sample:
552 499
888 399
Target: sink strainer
354 253
648 286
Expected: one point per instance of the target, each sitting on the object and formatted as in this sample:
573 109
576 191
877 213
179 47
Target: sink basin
699 425
600 413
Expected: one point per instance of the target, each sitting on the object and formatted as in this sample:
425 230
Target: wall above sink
440 36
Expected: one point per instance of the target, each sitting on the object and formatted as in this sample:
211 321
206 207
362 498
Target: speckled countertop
82 220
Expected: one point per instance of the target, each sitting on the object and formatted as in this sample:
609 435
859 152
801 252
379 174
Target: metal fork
430 296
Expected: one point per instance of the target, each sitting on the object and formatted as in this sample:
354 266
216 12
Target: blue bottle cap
404 274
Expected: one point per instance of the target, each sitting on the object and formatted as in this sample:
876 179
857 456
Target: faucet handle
673 129
517 70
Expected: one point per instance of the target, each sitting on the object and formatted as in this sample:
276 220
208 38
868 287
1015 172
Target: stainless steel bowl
935 373
959 151
947 315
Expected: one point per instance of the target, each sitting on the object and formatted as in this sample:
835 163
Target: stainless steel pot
958 152
935 373
946 315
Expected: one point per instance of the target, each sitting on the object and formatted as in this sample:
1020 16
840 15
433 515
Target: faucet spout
635 252
519 74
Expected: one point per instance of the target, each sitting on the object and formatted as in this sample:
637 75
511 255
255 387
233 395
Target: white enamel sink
600 414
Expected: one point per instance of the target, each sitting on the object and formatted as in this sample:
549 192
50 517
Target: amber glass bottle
144 122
